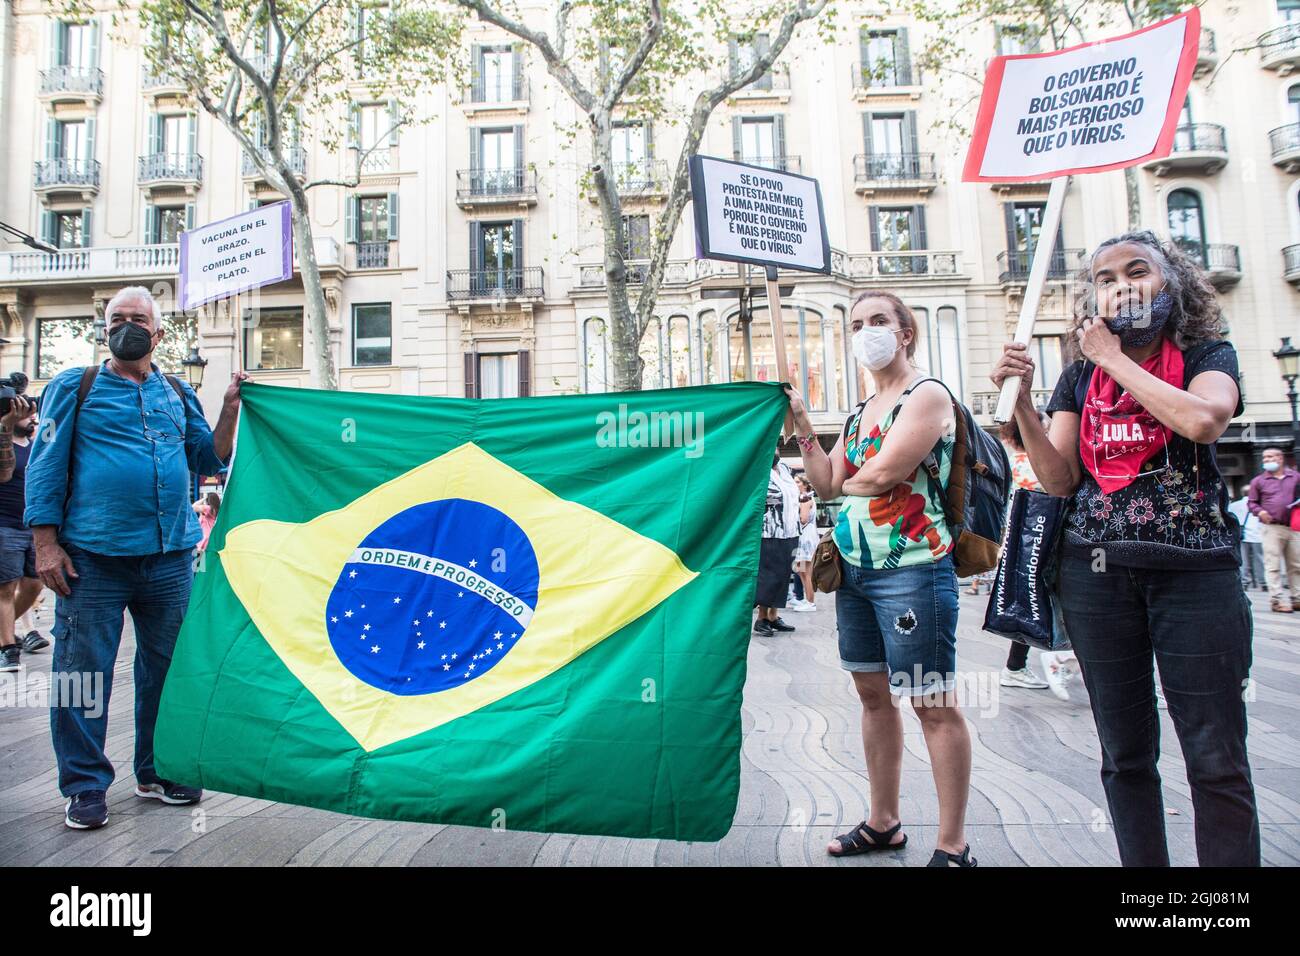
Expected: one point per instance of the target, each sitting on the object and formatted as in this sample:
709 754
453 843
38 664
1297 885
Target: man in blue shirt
108 502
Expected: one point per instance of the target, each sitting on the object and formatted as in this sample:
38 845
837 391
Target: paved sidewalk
1036 795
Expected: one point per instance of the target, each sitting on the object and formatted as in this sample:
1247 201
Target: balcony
160 82
372 255
782 164
1198 148
125 262
296 155
1291 265
1221 262
495 187
157 171
885 79
80 176
646 180
984 404
1284 144
772 87
490 285
1280 49
1207 54
926 265
501 93
71 84
1013 267
894 172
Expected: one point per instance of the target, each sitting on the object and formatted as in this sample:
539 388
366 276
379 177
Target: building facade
468 259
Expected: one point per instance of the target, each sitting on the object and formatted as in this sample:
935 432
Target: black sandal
942 858
854 842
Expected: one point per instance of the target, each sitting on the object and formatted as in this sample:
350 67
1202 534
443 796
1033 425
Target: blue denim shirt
132 449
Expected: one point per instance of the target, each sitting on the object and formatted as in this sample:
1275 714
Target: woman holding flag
896 609
1149 558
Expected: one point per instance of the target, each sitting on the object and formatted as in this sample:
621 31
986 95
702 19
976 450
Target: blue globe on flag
433 598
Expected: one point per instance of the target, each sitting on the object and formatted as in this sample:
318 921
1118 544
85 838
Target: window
839 353
1187 223
70 139
811 360
498 251
372 218
496 161
595 350
1293 102
64 343
68 232
713 348
636 237
496 77
631 150
945 350
1047 361
1028 222
498 375
372 334
757 140
679 351
653 373
180 334
743 55
369 20
374 130
1289 10
885 58
171 223
273 339
1017 39
75 45
175 135
899 230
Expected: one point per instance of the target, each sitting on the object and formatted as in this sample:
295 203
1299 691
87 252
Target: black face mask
26 431
130 342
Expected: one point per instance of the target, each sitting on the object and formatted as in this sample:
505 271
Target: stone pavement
1036 796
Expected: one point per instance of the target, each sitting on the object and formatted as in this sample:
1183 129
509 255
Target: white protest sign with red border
1085 109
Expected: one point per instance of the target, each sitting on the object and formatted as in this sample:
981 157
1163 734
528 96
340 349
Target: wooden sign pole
778 340
1043 250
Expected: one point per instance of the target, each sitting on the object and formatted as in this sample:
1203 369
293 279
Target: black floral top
1175 517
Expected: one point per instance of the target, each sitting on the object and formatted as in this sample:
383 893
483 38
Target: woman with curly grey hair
1149 559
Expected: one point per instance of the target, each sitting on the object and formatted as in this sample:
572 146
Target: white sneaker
1022 678
801 606
1057 673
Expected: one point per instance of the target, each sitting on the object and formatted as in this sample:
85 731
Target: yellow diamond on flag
441 591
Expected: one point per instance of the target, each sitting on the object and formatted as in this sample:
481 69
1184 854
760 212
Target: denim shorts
17 555
902 621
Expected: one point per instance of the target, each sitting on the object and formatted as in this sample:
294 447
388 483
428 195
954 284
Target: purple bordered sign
246 251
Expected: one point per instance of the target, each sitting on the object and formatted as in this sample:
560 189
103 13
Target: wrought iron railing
296 155
777 79
1212 256
1291 259
1284 139
372 255
884 74
66 172
156 167
1281 42
523 283
647 176
72 79
488 90
1200 137
894 167
474 184
783 164
1014 266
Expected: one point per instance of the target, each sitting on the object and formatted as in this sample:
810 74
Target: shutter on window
864 53
1033 40
476 253
358 28
903 59
150 225
471 366
911 146
354 127
394 118
59 44
735 137
392 215
919 239
90 142
873 221
517 72
998 31
350 204
51 138
476 74
1010 210
733 57
193 139
87 223
156 131
47 227
189 215
525 373
94 44
649 140
519 155
517 230
866 134
778 139
475 153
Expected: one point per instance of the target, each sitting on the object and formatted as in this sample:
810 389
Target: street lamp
194 366
1288 360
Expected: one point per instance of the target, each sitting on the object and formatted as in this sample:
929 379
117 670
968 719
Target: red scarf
1117 436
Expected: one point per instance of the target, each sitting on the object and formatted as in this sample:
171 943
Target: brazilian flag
522 613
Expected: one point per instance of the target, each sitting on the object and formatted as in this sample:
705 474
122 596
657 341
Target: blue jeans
902 621
155 588
1197 625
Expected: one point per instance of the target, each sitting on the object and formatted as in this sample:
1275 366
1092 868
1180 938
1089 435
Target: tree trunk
317 347
1133 194
625 330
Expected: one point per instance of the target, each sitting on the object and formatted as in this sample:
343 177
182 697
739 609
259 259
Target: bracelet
806 442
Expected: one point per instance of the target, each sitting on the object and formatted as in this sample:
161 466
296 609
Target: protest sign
234 255
1086 109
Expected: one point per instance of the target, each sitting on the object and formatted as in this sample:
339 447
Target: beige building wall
959 276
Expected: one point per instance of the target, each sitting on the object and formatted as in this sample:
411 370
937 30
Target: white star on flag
473 563
420 645
374 648
397 600
347 613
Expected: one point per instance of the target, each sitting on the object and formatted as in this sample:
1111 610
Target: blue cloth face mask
1141 326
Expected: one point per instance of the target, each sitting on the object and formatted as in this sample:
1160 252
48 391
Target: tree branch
634 64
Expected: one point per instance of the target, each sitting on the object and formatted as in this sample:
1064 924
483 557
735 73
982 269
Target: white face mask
875 347
1271 466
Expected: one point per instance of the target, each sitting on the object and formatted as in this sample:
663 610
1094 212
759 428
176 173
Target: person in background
1058 666
108 503
19 586
808 538
780 537
206 508
896 609
1149 557
1271 497
1252 545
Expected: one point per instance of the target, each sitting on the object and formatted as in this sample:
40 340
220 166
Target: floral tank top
906 526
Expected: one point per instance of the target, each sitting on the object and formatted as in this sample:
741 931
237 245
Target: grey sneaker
10 659
87 810
33 641
168 792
